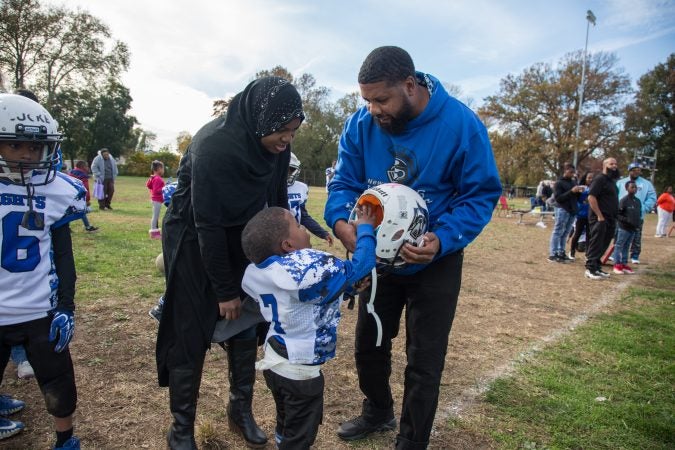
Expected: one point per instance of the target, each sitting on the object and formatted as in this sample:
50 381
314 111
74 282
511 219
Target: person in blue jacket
411 132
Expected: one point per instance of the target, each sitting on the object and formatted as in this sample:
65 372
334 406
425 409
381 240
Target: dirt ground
512 301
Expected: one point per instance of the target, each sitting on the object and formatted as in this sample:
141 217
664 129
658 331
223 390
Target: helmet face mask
401 217
293 169
24 121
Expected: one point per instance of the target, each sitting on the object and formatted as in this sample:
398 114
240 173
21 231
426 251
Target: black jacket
564 197
629 213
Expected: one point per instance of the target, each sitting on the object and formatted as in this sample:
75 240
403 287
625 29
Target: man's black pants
600 235
429 298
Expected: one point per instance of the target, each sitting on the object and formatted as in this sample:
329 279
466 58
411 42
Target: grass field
539 356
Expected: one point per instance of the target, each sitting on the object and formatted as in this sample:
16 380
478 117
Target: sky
185 54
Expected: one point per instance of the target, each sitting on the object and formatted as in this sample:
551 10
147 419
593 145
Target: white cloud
186 53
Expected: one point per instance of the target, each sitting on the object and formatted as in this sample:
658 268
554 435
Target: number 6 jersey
28 279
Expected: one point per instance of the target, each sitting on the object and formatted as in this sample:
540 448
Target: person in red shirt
665 207
155 184
81 172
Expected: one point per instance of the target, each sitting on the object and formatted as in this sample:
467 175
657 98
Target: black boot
241 355
183 390
371 420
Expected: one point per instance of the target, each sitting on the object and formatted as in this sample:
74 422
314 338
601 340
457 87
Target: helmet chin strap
370 307
37 219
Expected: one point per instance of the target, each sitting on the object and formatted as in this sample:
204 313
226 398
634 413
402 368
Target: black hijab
233 175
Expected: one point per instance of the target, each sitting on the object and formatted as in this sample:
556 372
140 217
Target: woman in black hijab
235 166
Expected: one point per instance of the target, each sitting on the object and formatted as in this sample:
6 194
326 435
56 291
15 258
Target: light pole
590 17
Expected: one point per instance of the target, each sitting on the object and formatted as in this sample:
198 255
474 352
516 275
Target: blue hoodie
444 154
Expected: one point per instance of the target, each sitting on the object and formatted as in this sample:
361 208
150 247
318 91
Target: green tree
51 48
650 120
183 140
72 63
145 140
75 110
537 111
111 127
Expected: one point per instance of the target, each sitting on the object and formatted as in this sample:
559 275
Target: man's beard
613 174
397 124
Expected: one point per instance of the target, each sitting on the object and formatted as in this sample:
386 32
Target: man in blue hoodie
411 132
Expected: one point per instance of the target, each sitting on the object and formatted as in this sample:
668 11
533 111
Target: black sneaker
564 258
603 274
359 427
553 258
90 228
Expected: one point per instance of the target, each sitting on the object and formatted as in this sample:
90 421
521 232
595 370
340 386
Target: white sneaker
24 370
635 261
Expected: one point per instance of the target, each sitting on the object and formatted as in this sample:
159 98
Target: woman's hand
230 309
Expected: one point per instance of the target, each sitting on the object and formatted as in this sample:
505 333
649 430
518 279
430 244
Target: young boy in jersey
298 192
299 291
37 270
155 184
81 172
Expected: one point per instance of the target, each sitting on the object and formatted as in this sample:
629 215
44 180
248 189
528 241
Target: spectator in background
647 196
104 169
665 208
604 204
628 221
566 195
298 192
81 172
155 184
581 224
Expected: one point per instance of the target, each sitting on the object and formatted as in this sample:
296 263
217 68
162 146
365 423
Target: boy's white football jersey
299 294
298 193
28 280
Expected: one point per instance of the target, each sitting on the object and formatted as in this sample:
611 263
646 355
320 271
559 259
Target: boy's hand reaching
365 214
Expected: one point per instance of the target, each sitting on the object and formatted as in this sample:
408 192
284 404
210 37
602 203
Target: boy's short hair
263 234
81 164
628 183
390 64
156 165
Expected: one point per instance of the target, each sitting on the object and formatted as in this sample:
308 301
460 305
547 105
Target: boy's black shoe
90 228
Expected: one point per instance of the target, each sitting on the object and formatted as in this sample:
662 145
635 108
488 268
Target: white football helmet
293 169
23 120
401 216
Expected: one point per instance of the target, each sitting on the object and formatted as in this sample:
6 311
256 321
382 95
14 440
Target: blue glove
63 323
